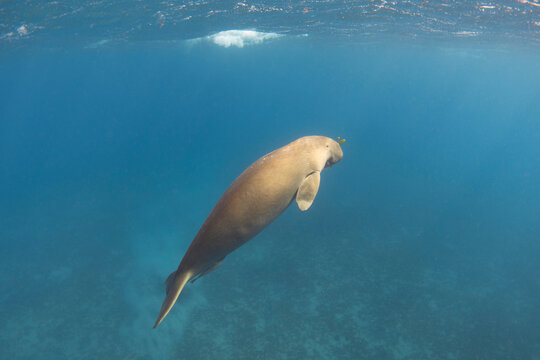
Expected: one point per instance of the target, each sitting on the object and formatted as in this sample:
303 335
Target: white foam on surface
238 38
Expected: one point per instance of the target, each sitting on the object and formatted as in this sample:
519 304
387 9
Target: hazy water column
422 243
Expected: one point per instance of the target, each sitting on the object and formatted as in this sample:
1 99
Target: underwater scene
122 124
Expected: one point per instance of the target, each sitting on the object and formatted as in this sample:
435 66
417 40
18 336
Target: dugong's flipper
174 285
308 190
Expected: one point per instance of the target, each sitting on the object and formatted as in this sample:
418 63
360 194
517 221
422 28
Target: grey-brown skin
255 199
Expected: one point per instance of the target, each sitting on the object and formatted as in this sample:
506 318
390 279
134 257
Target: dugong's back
256 198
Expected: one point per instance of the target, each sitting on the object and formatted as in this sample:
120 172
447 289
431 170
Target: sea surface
123 122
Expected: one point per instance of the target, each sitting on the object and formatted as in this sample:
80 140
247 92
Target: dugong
255 199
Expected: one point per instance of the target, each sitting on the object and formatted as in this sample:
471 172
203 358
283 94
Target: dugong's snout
335 153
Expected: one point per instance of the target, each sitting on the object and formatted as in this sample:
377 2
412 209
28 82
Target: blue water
422 243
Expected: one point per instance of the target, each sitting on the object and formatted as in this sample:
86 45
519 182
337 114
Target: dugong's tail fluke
174 285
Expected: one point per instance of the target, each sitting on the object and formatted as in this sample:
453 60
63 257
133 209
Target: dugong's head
333 151
322 151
